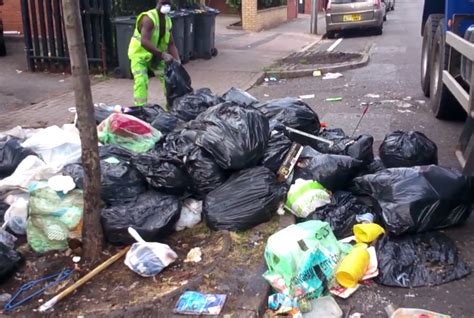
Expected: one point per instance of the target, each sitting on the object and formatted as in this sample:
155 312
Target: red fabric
126 125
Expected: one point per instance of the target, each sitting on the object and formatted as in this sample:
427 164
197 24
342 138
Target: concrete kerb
325 69
260 77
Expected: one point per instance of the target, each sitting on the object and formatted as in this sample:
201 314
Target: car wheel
443 104
379 30
331 34
429 31
385 17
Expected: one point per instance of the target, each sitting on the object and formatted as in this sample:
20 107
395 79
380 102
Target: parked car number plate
352 17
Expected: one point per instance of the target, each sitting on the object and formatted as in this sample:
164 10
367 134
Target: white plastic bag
305 196
30 169
56 146
190 214
148 259
16 215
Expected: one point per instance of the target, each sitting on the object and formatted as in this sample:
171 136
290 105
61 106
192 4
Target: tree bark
92 236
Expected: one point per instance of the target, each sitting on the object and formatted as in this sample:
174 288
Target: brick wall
292 9
308 4
256 20
11 15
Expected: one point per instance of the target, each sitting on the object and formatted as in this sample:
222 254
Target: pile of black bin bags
226 150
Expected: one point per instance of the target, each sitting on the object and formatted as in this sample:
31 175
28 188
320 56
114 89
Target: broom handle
50 303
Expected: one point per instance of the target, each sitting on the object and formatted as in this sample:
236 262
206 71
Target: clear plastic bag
129 132
190 214
148 259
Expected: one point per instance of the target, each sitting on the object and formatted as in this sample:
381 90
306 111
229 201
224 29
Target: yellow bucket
353 267
367 233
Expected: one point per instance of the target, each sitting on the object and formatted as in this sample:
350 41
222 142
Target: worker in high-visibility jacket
150 48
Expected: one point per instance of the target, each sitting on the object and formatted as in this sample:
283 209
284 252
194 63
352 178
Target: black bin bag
162 173
152 214
11 154
247 199
292 113
177 82
426 259
340 213
360 148
189 106
9 261
240 97
278 147
120 181
236 136
408 149
418 199
205 174
334 172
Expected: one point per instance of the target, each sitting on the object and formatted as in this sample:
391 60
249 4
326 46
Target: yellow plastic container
353 267
367 233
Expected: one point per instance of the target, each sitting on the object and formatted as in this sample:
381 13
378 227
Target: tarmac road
393 75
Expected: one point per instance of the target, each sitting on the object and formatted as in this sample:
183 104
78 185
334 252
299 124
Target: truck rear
446 67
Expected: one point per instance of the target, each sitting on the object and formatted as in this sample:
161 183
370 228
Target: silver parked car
354 14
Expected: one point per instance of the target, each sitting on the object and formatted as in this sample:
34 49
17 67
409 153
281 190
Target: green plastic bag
128 132
53 218
305 196
301 259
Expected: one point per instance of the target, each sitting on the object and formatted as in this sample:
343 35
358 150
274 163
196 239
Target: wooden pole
92 236
50 303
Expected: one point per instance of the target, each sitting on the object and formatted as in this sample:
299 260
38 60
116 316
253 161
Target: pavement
41 99
393 74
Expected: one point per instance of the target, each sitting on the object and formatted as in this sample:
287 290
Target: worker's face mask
165 8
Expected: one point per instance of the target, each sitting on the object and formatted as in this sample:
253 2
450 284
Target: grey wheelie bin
204 33
125 26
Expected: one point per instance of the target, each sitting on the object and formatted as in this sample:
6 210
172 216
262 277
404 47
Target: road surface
391 86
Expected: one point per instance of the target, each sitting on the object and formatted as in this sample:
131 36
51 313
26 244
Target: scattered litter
353 267
329 76
194 255
18 71
404 111
367 233
190 214
62 184
307 96
317 73
408 149
282 304
409 295
195 303
5 297
45 282
421 102
412 312
76 259
61 81
333 99
372 96
266 95
407 98
324 307
148 259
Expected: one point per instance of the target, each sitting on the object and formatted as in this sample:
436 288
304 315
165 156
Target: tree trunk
92 236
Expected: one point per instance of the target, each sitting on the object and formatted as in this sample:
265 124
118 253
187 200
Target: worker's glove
167 58
178 61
